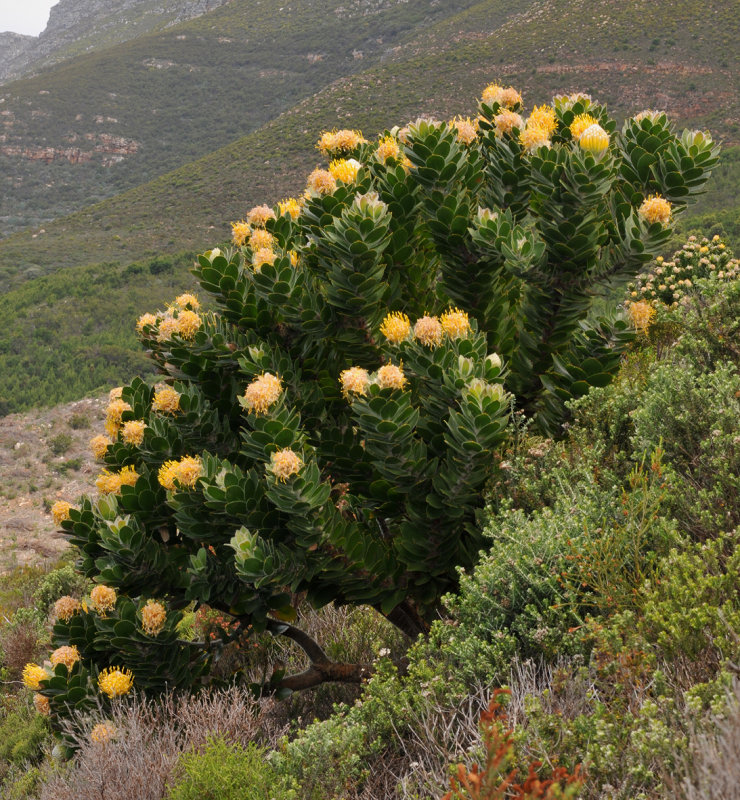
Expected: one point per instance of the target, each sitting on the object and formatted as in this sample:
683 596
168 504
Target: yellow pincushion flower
153 617
188 322
60 511
339 142
167 474
387 149
99 445
42 705
655 209
187 299
543 117
344 169
188 470
108 482
290 206
506 121
261 238
285 463
641 315
33 674
263 256
428 331
580 124
467 129
115 410
115 393
389 376
103 598
259 215
240 232
103 732
166 400
115 681
144 320
455 323
66 607
321 181
133 432
263 392
66 654
594 140
396 327
354 380
533 137
168 327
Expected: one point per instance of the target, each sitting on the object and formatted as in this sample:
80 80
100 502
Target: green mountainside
118 117
676 62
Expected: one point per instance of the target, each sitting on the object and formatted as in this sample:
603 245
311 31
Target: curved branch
309 646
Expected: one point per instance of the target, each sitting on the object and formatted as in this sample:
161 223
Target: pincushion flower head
641 315
290 206
188 322
345 169
321 181
115 681
189 469
261 238
133 432
285 463
66 654
543 117
263 256
188 300
153 617
580 124
168 327
32 676
240 232
467 129
103 732
594 140
116 409
341 142
66 607
389 376
455 323
263 392
166 400
428 331
655 209
99 445
103 598
42 705
60 511
533 137
388 148
354 380
259 215
396 327
144 321
493 93
506 121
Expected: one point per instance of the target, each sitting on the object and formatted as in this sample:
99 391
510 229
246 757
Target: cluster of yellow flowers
467 129
132 432
103 598
538 129
506 122
321 182
339 142
184 472
111 482
114 413
655 209
493 93
427 330
66 607
103 732
291 206
60 511
356 380
641 315
262 392
388 149
344 169
67 655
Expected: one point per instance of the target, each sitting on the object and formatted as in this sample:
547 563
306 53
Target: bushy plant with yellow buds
329 427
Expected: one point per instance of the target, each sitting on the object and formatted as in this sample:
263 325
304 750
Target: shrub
60 443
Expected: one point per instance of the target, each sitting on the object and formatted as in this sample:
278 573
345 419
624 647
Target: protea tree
327 430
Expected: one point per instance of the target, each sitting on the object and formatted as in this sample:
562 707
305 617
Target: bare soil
44 457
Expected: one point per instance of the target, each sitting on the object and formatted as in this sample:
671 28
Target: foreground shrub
329 430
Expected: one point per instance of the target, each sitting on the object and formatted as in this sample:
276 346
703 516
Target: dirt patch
44 457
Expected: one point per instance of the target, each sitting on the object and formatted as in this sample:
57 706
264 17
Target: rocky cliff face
79 26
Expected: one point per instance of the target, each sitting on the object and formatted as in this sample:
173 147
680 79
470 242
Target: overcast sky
25 16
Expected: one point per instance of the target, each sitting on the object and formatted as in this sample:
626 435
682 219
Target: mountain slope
110 120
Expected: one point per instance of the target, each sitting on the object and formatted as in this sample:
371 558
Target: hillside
79 26
118 117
